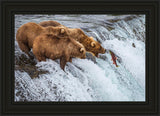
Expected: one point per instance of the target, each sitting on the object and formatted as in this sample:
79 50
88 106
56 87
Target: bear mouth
97 55
104 51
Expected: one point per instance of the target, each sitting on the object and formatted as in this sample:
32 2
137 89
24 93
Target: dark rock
116 19
23 59
110 28
32 70
90 57
102 56
133 45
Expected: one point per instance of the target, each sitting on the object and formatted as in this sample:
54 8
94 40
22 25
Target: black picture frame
150 8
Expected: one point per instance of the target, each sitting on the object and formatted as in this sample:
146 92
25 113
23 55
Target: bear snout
103 51
84 57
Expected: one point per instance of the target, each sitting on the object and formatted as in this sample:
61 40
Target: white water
85 80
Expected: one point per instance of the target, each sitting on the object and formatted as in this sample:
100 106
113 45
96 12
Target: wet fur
29 31
49 23
80 36
53 47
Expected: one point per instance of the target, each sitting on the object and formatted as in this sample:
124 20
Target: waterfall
83 79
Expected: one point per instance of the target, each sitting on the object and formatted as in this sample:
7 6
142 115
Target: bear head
88 42
77 49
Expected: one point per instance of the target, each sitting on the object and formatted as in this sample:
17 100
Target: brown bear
54 47
29 31
49 23
88 42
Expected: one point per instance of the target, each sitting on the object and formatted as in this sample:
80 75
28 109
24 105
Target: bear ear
62 30
91 37
93 44
81 50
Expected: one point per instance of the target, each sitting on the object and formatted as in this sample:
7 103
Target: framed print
92 58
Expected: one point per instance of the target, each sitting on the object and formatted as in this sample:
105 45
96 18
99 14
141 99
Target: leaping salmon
114 58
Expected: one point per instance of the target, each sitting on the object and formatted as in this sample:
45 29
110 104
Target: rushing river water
84 79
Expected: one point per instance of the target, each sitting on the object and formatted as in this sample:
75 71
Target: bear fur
54 47
29 31
89 43
49 23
